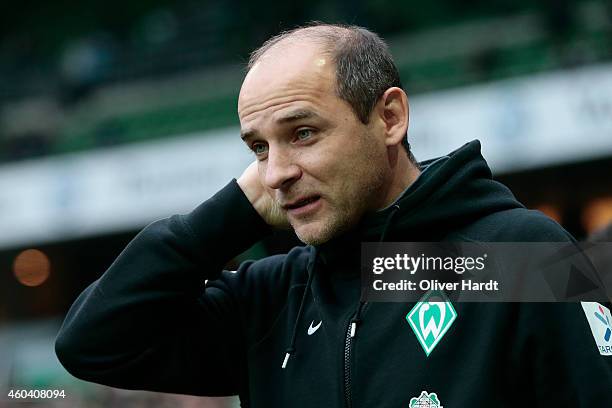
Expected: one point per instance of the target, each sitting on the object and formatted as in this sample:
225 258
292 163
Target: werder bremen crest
431 318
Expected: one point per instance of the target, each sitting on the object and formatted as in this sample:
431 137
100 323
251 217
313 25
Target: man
323 110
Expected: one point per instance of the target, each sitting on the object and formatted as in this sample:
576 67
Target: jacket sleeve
149 323
560 363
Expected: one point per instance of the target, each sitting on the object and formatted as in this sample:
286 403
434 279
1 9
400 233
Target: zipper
348 341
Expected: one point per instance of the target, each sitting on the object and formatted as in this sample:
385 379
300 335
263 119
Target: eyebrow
296 115
291 116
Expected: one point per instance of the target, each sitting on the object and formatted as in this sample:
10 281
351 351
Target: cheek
366 173
321 163
261 172
344 162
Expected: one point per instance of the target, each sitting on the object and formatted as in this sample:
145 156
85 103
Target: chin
310 236
312 239
316 232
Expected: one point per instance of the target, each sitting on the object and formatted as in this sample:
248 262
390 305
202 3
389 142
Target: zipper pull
356 319
287 354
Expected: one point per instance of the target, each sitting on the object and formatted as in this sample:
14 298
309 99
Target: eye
303 134
259 148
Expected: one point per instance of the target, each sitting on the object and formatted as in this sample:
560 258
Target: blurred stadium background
117 113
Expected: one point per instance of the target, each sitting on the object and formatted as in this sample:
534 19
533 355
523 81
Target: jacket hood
451 191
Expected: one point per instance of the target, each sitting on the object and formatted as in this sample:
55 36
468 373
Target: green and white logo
431 318
425 400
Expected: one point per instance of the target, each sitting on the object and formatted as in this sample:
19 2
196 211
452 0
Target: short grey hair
364 66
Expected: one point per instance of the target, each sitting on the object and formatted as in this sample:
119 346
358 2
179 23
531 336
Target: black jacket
149 323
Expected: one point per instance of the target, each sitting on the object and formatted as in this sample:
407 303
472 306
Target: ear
392 111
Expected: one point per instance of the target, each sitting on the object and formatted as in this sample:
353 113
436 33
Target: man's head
323 110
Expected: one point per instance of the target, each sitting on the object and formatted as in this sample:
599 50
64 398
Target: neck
403 174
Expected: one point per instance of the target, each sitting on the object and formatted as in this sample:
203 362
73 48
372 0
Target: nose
280 169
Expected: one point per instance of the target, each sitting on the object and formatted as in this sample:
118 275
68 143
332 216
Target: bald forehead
296 48
326 36
286 68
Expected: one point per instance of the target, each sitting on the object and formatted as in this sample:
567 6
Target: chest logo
425 400
431 318
312 329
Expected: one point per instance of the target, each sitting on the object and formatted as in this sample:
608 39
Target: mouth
303 205
301 202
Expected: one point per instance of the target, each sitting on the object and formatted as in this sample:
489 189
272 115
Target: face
316 159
